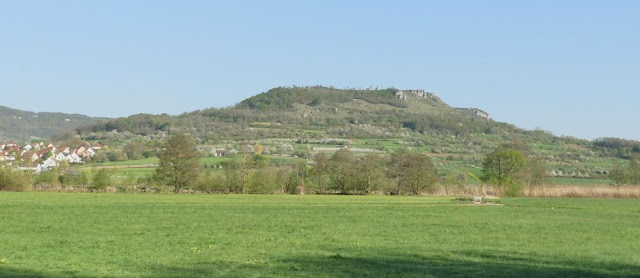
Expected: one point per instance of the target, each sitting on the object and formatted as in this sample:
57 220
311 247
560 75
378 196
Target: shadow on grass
464 264
10 272
380 264
461 264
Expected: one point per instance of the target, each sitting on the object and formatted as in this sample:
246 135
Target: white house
64 150
46 165
74 158
34 157
61 157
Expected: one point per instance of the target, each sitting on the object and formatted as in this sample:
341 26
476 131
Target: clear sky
570 67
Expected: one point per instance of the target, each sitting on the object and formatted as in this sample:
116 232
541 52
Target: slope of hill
317 111
23 125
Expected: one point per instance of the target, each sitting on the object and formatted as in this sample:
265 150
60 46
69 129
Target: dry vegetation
549 191
552 191
600 191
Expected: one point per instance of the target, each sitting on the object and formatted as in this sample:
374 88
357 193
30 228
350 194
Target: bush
148 154
101 179
513 190
48 178
14 181
99 158
116 156
210 183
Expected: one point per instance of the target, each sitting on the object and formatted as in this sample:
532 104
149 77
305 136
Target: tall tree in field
179 164
634 169
413 172
371 173
627 175
319 171
535 172
619 175
232 175
503 166
342 171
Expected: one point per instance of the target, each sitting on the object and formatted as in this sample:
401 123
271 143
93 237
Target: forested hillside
23 125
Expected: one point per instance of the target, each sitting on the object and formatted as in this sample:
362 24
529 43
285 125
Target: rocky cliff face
422 94
477 112
402 94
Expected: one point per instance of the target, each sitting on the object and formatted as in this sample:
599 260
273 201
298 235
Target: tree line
510 167
404 172
94 179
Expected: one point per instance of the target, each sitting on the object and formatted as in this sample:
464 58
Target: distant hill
24 125
315 111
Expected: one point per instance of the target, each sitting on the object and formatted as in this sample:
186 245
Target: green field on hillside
158 235
144 161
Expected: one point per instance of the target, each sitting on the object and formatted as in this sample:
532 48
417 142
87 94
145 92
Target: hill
24 125
317 112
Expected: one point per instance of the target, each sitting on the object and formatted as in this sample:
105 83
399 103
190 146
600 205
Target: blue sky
570 67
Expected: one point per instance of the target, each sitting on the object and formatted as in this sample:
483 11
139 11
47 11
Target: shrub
14 181
101 179
513 190
47 177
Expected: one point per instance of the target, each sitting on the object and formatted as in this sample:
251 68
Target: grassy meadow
166 235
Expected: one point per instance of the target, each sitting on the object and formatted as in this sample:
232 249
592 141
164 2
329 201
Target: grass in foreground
156 235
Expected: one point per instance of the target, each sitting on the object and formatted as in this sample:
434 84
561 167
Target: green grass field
158 235
144 161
